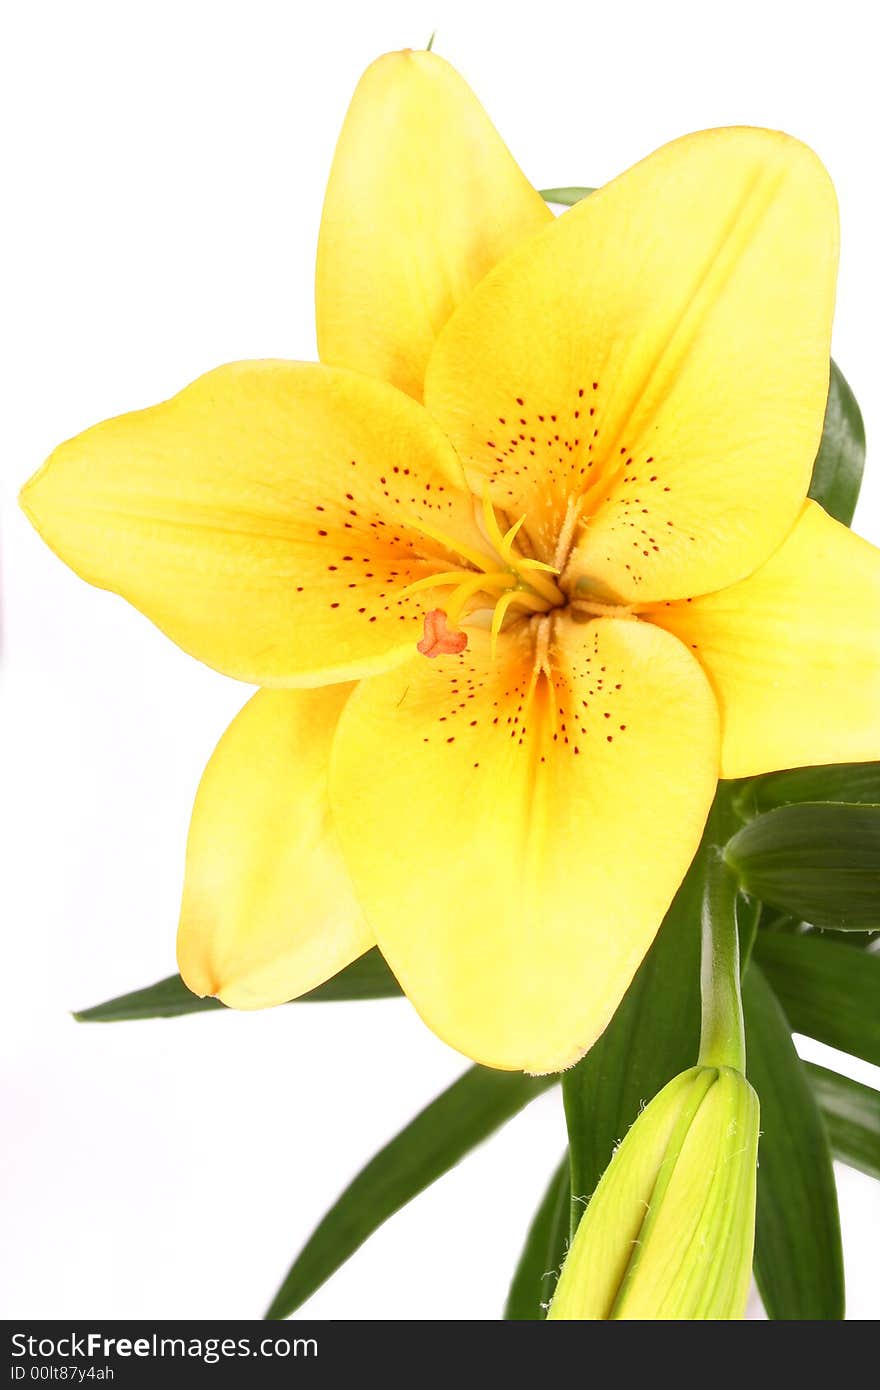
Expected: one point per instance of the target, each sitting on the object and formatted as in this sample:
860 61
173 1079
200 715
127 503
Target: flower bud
670 1229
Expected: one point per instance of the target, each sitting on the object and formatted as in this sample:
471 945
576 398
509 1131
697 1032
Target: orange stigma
438 640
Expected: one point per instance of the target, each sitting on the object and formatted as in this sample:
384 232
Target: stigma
501 578
438 640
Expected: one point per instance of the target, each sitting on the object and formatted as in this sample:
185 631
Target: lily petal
534 853
792 652
268 908
260 518
423 199
661 354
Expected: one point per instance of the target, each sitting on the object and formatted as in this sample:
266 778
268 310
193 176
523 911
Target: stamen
526 583
490 520
542 585
490 583
434 581
532 603
498 615
566 533
510 536
477 558
486 579
438 640
527 563
503 543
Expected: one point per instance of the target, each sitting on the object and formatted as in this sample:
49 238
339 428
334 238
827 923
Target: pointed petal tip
199 978
27 493
396 253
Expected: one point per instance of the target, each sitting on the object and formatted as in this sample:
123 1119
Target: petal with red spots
268 518
658 357
515 837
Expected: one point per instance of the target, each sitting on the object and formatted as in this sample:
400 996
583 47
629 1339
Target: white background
162 188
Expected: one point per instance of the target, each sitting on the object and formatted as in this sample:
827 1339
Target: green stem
722 1033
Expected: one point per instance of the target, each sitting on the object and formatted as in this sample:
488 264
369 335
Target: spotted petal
659 356
267 518
515 854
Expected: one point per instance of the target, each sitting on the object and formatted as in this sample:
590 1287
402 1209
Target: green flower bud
670 1229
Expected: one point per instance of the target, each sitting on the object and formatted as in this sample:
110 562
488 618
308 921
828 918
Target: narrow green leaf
851 782
165 999
851 1113
453 1124
798 1254
828 991
818 861
837 471
565 197
543 1253
368 977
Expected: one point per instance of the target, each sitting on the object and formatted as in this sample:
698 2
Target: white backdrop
162 186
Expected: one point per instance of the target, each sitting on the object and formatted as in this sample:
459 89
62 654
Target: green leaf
828 991
566 197
165 999
543 1253
820 862
453 1124
851 1113
858 940
798 1254
837 471
852 782
771 920
368 977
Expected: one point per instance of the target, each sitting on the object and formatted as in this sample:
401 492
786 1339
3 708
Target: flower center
502 582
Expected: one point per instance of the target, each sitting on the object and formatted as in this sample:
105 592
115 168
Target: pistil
437 639
510 581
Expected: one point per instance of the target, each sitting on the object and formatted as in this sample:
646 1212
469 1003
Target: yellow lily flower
524 566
